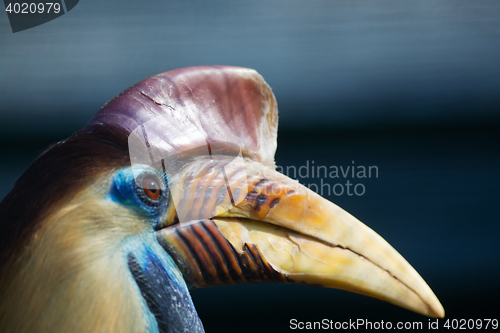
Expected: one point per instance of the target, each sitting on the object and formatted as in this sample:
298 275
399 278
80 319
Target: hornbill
170 186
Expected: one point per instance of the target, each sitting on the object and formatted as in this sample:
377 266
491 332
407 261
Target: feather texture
72 275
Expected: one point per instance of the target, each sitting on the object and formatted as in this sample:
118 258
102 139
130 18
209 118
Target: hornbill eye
149 189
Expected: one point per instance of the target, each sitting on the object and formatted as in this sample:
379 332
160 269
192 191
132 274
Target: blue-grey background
412 87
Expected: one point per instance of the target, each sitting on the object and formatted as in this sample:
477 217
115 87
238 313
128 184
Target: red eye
151 188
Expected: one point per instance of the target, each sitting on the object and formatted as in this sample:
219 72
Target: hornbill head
171 185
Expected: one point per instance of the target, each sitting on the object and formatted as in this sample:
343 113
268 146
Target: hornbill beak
237 221
232 218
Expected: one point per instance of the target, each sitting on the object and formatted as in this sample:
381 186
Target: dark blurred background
411 87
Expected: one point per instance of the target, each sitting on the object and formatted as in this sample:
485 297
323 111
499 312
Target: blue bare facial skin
166 299
143 189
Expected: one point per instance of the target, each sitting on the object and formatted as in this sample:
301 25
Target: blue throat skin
166 299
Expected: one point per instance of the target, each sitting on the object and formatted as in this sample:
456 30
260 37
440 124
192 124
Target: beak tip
438 312
435 309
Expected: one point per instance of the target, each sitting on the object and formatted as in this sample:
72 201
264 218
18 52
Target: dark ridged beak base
207 259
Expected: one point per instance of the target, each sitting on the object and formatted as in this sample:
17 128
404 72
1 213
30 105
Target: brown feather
59 173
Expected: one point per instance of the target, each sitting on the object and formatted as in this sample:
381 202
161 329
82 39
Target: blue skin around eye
124 191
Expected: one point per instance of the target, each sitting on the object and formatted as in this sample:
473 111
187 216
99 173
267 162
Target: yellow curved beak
252 224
